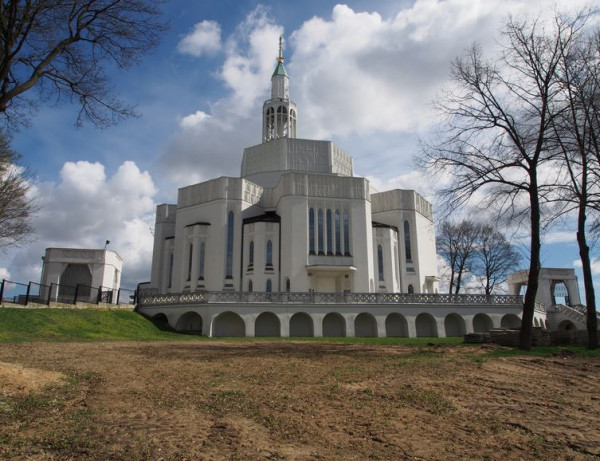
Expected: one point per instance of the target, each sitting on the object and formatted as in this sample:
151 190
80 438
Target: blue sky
363 73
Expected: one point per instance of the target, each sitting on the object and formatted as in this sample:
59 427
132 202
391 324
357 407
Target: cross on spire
280 58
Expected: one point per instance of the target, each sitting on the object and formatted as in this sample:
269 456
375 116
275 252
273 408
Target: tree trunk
588 282
534 269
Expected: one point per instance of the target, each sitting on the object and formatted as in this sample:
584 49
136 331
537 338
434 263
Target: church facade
296 220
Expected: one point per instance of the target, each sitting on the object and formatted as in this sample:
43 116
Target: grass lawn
56 325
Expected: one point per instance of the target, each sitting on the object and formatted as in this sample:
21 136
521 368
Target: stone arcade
300 246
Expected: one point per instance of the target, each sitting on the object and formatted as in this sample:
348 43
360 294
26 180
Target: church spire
279 112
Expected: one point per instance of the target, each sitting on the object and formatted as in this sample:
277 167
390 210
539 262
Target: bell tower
279 112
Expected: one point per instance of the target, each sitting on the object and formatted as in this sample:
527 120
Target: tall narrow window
346 233
251 255
229 261
320 230
190 258
407 252
311 231
269 254
411 290
396 265
201 264
269 286
380 262
338 233
250 286
170 270
329 234
288 285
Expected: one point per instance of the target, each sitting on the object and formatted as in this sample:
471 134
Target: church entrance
326 284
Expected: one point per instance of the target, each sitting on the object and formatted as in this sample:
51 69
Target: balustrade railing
223 297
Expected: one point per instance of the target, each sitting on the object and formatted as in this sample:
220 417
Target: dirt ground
293 400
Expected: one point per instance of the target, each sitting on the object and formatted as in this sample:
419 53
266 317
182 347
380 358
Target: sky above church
363 74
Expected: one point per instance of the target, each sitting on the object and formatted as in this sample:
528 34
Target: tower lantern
279 112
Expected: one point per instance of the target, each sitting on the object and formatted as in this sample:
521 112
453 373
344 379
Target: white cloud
4 273
87 207
193 120
560 237
205 38
595 265
210 143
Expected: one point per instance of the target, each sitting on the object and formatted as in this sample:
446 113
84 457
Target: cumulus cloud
205 38
193 120
595 265
83 210
210 143
354 73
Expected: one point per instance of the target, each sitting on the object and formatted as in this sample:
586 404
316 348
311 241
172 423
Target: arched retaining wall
338 319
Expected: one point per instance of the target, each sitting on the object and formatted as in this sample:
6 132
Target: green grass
30 325
45 325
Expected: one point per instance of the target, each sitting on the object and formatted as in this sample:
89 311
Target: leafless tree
16 204
457 244
577 138
495 258
61 49
494 143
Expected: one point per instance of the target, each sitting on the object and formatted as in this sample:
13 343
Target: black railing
21 293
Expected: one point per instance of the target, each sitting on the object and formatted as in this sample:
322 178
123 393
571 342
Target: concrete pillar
285 325
249 322
573 289
412 327
349 325
441 327
468 319
381 333
317 325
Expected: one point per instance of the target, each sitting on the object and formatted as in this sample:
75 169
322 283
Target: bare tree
495 258
457 244
577 138
494 144
16 204
61 48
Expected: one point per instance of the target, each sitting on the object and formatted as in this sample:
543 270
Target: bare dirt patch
299 401
15 379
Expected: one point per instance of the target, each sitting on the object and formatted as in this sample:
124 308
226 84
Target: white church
300 246
296 220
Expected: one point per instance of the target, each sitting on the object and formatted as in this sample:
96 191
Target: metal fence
21 293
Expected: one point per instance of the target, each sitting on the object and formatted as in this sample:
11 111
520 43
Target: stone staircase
577 314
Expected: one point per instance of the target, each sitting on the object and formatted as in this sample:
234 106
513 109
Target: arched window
229 260
269 254
251 254
201 265
190 258
411 290
320 230
329 234
407 252
346 233
338 234
282 122
288 285
380 262
250 286
269 286
311 231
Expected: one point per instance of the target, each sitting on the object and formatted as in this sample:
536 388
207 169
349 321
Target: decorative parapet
218 297
577 312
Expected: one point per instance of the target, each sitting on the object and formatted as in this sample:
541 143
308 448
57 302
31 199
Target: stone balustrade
223 297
